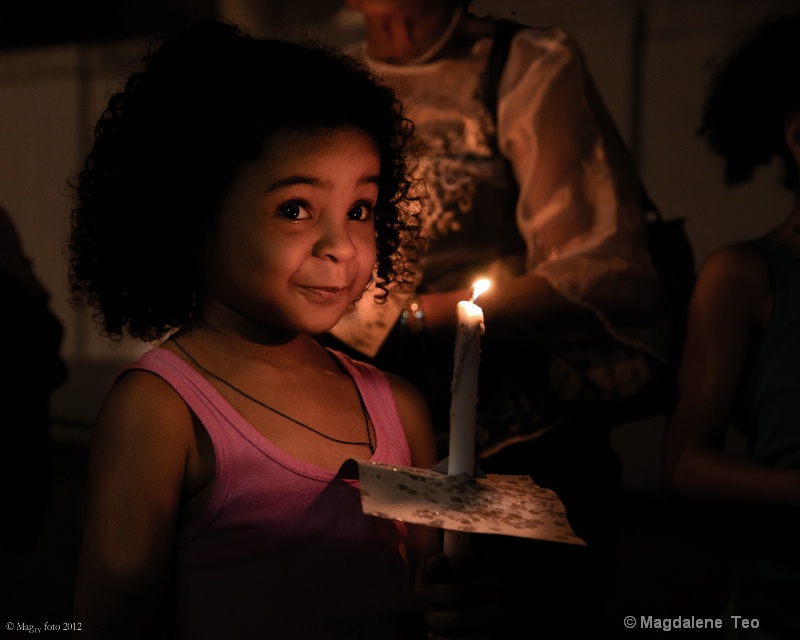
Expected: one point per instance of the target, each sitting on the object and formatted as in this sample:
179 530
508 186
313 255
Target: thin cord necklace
437 46
368 443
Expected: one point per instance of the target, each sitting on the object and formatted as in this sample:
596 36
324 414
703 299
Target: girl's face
294 245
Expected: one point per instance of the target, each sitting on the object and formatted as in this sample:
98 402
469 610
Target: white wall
49 99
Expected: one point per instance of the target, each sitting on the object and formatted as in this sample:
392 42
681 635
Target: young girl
239 197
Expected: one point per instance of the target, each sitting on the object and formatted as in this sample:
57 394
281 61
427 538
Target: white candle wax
464 401
464 389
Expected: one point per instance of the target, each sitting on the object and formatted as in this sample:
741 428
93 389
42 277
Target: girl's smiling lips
326 292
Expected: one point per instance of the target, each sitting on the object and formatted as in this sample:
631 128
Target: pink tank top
282 549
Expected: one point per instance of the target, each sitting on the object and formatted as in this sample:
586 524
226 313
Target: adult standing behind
544 200
741 365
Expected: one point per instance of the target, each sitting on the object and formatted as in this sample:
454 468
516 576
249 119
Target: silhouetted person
32 370
741 365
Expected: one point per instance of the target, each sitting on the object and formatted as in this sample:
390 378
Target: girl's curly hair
749 97
168 146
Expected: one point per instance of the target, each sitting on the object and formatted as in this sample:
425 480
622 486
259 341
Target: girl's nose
335 242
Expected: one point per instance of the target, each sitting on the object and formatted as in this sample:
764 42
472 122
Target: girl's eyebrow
290 181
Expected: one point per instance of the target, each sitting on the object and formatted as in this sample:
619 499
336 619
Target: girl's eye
293 211
362 212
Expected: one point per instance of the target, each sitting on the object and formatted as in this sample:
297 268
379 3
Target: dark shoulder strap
504 32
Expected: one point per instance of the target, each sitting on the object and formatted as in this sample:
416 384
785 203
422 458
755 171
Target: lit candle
464 390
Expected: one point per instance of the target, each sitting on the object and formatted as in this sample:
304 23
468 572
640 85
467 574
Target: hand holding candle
464 389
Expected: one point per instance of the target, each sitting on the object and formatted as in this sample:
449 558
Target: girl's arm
141 444
730 304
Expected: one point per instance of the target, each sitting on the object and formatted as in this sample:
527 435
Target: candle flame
478 288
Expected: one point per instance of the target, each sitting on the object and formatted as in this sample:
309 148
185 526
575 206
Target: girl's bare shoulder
143 415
